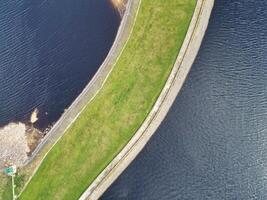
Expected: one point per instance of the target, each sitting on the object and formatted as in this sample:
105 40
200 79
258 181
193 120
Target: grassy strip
5 187
112 118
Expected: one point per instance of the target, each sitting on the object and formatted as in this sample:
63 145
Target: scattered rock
33 136
120 5
13 144
34 116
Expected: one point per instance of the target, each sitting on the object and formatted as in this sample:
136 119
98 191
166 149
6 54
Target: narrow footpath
183 64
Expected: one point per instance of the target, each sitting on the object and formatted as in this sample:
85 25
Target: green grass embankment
118 110
5 187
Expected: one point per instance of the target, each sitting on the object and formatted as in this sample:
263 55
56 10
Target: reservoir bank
184 60
212 144
91 120
49 52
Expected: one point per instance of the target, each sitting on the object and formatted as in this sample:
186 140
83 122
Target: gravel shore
13 144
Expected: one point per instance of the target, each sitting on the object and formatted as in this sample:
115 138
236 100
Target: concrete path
183 64
91 89
88 93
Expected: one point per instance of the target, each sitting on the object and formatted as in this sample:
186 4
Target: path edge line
178 75
98 81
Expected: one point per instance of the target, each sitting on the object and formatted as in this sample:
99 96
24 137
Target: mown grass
112 118
5 187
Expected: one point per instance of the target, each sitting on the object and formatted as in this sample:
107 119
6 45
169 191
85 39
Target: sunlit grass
112 118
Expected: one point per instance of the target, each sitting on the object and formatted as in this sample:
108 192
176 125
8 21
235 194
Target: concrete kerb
92 89
182 66
94 85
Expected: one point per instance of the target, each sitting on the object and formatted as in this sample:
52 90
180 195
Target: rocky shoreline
14 148
18 140
120 5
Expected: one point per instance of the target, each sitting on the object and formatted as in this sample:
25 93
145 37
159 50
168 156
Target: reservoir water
49 51
213 142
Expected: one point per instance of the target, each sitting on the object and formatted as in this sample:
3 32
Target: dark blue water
49 51
213 143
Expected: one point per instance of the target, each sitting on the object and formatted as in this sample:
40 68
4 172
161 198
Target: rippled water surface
49 50
213 143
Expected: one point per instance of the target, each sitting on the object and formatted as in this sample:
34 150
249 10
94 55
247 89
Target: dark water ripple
49 50
213 143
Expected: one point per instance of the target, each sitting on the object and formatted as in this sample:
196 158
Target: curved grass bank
116 113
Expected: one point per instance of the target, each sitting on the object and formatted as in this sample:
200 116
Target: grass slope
5 187
112 118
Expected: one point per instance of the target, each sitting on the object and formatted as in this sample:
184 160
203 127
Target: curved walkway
92 88
88 94
183 64
146 76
